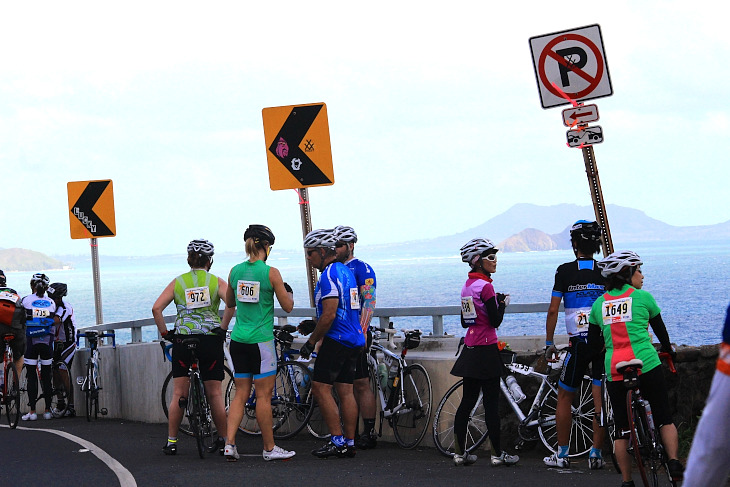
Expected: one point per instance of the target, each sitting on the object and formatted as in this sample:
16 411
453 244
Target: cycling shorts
653 388
38 351
64 352
575 365
362 370
209 353
18 344
256 360
335 362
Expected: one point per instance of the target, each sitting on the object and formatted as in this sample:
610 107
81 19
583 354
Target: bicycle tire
581 428
411 423
166 397
11 398
638 436
249 425
59 395
443 423
292 400
316 425
609 424
194 414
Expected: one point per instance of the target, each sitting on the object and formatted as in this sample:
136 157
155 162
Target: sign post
570 66
91 215
299 155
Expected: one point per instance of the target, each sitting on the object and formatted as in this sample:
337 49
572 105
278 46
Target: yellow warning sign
91 209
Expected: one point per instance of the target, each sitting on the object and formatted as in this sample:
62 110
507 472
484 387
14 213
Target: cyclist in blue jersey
579 283
39 310
338 326
366 284
708 464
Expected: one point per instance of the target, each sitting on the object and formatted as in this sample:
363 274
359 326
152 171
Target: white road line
123 475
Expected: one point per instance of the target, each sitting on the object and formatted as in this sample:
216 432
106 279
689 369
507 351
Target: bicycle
90 382
59 394
403 391
645 441
11 385
538 422
292 398
167 388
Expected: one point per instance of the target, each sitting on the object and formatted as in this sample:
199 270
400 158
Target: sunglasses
340 244
490 257
310 252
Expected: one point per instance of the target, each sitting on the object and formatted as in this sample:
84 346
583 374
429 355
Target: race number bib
617 311
581 320
248 291
13 298
197 297
354 298
468 311
41 313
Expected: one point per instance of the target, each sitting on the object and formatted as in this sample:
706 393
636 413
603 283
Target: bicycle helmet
201 246
616 262
3 280
585 230
345 234
57 290
474 249
38 277
320 238
259 233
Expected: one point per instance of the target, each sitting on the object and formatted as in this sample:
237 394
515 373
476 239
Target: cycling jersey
197 302
366 283
39 313
66 331
623 316
474 295
254 302
338 282
579 284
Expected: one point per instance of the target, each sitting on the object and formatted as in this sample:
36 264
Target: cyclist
39 310
15 324
708 464
479 363
65 346
579 283
197 295
252 286
366 283
338 326
626 336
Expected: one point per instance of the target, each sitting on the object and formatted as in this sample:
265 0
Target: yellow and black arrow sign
91 209
298 148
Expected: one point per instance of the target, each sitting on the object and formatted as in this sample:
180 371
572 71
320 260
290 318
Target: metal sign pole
306 228
597 196
97 282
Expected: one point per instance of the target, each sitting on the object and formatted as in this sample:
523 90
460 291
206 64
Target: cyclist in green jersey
620 320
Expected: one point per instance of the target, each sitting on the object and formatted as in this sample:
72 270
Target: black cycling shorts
335 362
362 370
209 353
575 365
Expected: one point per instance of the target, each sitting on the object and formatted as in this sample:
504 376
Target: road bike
645 441
59 393
291 400
90 382
10 391
539 422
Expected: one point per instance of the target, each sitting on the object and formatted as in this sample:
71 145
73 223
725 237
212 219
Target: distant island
28 260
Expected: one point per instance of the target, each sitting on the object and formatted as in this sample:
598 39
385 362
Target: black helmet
57 290
259 233
3 281
585 230
38 277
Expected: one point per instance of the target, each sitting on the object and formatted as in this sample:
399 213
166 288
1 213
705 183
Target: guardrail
437 314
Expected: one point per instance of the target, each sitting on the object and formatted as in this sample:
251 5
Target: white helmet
345 234
474 249
201 246
320 238
614 263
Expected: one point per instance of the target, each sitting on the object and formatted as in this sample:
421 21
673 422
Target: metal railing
437 314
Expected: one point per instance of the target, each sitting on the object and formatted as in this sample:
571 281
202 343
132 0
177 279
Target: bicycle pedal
104 411
80 380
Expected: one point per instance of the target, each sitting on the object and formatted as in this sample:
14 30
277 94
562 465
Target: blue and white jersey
364 274
579 284
38 310
338 282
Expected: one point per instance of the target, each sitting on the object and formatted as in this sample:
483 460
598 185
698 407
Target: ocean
689 280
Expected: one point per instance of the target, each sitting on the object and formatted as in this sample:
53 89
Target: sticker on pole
570 62
585 136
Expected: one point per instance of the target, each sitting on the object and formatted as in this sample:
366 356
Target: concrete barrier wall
132 377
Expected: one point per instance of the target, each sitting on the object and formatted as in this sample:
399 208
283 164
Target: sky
434 116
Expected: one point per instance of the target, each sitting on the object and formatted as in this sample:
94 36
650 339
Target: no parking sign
570 62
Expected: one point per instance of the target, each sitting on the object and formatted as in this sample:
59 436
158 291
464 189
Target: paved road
73 452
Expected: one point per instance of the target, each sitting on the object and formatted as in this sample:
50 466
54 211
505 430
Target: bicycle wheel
316 425
196 415
411 422
89 391
610 424
166 397
291 403
443 423
11 399
60 395
248 425
638 437
581 428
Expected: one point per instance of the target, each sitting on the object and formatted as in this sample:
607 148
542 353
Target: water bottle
515 389
392 374
383 376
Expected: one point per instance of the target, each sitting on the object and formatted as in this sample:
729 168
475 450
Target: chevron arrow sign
91 209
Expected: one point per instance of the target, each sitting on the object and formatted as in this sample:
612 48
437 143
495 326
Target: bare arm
329 312
162 302
223 294
285 298
552 319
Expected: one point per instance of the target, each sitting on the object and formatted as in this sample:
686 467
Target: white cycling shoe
505 459
29 417
277 453
465 459
555 461
231 453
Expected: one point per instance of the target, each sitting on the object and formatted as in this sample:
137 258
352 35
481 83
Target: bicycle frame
89 383
388 410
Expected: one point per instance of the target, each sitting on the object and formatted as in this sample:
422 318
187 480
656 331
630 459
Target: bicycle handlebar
95 334
670 363
166 347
